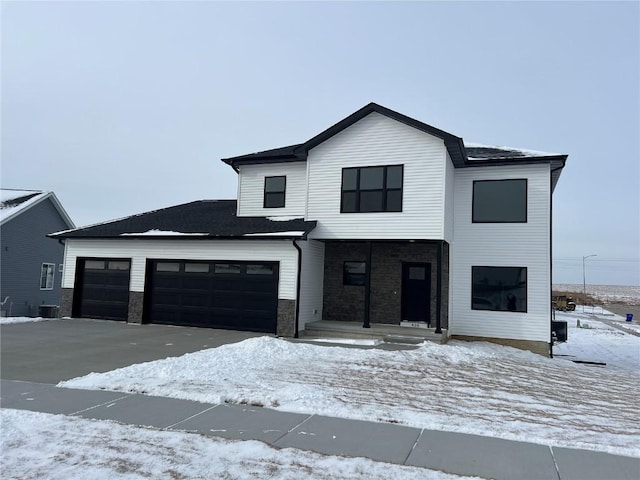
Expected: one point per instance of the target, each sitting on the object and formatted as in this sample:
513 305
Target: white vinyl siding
502 245
251 189
141 250
311 282
377 140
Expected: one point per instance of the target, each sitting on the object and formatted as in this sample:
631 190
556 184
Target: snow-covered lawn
476 388
55 447
11 320
596 341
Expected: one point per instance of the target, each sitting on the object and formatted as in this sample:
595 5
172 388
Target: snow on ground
38 445
477 388
596 341
11 320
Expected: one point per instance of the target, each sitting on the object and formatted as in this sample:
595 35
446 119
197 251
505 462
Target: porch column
439 287
367 287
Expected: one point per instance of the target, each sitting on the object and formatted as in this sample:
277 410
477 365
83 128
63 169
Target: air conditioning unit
559 331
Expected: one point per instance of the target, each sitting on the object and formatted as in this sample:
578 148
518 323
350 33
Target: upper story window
372 189
274 191
500 201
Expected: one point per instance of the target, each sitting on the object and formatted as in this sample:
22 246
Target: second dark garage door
233 295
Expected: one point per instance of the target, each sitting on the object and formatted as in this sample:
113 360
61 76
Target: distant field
607 294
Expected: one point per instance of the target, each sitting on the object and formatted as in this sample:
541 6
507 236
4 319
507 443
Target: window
499 289
167 267
260 269
196 268
372 189
500 201
226 268
94 265
46 276
354 273
118 265
274 190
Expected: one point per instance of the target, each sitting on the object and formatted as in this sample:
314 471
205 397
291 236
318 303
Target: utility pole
584 279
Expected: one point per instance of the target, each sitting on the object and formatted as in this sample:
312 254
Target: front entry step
393 334
407 339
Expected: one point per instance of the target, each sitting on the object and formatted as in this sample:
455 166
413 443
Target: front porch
388 333
385 283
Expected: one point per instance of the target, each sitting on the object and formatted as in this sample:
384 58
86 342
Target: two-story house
379 219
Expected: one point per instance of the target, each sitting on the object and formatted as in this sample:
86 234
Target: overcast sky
122 107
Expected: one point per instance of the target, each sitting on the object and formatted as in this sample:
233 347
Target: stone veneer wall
136 305
66 302
346 302
286 318
342 302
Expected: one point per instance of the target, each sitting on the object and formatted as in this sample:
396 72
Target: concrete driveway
56 350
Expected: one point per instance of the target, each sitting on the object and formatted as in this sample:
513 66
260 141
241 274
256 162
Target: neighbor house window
372 189
499 288
274 191
46 276
354 273
500 201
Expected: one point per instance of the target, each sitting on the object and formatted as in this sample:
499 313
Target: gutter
297 314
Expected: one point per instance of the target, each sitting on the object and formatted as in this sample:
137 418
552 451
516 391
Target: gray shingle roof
200 219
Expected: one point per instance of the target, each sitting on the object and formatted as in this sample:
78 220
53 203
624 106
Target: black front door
416 292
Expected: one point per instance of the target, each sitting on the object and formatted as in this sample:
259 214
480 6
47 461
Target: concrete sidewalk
445 451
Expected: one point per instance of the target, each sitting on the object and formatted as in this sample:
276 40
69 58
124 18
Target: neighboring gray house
380 219
31 268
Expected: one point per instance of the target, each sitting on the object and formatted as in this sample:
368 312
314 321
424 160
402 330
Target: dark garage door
233 295
103 286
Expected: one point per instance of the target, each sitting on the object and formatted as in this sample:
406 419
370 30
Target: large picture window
372 189
46 276
500 201
274 191
499 289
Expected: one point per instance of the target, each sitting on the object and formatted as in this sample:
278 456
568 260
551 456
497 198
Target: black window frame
474 212
358 191
354 279
277 196
504 298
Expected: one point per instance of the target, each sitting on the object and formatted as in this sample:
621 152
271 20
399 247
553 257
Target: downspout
551 313
439 289
297 314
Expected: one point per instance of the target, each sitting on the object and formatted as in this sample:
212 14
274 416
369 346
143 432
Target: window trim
506 310
43 275
273 193
526 200
347 278
384 190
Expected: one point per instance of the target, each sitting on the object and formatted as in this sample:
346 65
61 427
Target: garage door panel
193 300
234 295
102 287
197 283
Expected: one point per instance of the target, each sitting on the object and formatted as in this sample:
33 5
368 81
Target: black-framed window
500 201
353 273
502 289
372 189
274 191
